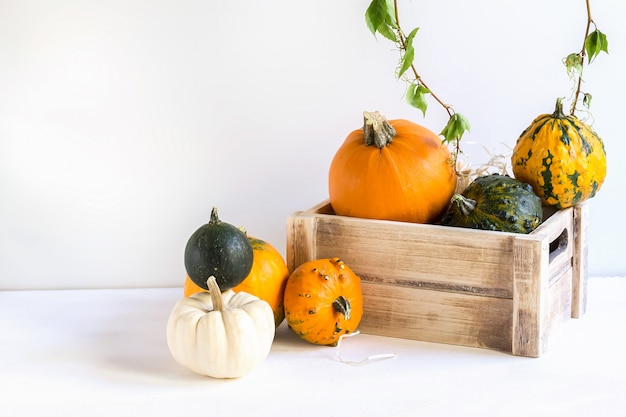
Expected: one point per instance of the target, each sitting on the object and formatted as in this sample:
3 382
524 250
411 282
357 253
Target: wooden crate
487 289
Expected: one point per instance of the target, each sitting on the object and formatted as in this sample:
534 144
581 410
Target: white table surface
103 353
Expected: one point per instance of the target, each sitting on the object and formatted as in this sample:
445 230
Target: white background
122 122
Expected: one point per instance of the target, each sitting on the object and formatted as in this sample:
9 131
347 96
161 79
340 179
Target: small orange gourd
267 278
323 300
391 170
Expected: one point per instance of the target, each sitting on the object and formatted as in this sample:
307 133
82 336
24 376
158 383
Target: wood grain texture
301 244
437 316
529 293
443 284
580 266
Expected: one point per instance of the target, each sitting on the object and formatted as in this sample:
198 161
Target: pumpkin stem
377 130
466 205
216 294
558 109
342 305
214 219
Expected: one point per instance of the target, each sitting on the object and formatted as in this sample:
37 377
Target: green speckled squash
496 202
221 250
561 157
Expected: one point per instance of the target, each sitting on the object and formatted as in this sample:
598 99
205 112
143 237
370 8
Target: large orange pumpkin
392 170
323 300
266 280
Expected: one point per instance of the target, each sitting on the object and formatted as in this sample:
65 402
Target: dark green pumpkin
496 202
221 250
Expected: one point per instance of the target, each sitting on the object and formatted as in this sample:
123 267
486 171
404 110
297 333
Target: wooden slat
560 236
552 227
396 252
580 269
530 290
559 303
437 316
301 244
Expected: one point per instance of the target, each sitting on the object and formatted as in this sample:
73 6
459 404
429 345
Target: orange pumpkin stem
216 294
377 130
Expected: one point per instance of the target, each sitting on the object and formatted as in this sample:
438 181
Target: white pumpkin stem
377 130
216 294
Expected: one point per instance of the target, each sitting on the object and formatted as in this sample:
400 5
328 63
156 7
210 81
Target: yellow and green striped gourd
561 157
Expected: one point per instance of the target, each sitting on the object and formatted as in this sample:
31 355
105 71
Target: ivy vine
382 18
594 43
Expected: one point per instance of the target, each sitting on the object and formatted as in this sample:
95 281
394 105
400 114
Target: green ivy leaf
595 43
380 18
455 128
409 53
574 64
416 97
587 100
388 32
375 15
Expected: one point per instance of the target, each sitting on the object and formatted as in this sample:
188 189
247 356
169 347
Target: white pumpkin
222 335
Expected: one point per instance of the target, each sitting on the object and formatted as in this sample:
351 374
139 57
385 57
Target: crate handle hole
558 245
